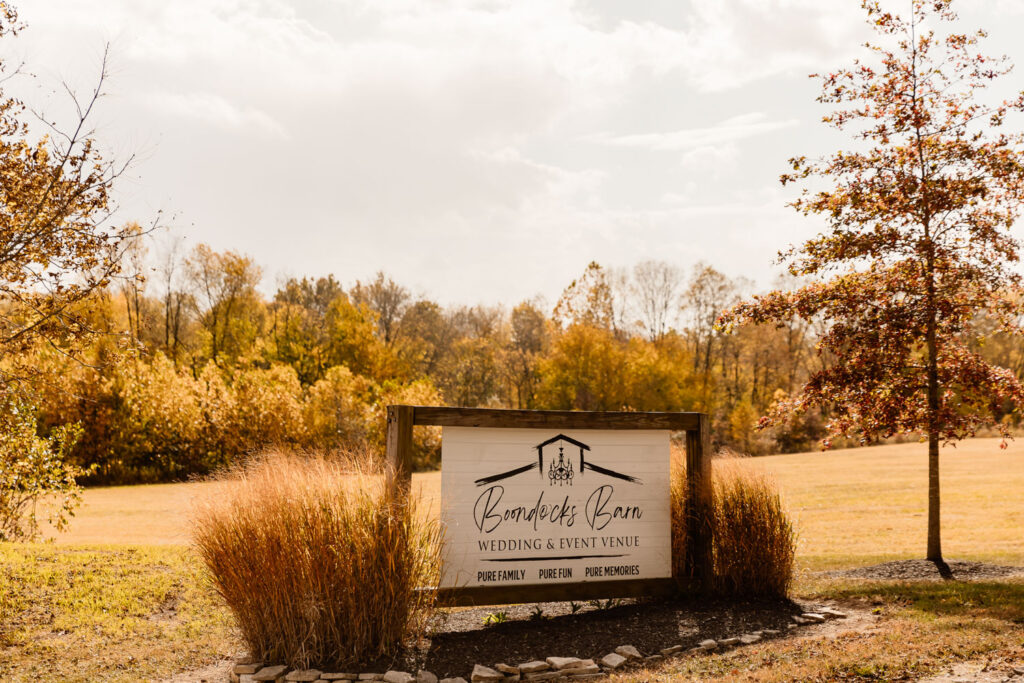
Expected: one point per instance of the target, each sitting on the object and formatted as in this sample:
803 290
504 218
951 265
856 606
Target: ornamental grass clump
753 539
320 560
754 545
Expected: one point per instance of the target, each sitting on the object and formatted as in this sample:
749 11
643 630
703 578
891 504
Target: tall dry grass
319 559
753 538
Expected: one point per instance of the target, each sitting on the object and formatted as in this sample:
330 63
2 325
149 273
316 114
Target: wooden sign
560 505
535 506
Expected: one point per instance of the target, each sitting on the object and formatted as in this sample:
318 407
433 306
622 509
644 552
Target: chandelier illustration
562 472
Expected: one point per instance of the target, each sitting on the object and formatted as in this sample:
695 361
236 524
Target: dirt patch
978 671
924 570
215 673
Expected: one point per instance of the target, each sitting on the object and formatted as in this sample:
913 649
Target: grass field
120 597
851 507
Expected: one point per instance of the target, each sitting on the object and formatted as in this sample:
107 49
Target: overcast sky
478 151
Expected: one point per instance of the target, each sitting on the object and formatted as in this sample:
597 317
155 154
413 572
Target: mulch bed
917 570
462 638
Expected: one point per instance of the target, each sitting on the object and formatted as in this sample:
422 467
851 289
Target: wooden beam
699 502
557 592
552 419
399 444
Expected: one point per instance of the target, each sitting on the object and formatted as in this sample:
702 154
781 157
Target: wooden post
699 494
399 444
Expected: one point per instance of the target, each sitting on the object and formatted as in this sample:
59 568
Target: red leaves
917 234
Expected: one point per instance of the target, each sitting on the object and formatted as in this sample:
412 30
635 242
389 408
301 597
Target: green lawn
106 613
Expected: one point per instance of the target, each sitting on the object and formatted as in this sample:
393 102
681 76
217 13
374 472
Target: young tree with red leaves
917 243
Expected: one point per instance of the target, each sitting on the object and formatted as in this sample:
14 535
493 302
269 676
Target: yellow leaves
33 469
54 244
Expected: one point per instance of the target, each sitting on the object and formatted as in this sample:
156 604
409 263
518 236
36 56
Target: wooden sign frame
402 419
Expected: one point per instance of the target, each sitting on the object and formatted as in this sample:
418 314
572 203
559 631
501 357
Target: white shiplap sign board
537 506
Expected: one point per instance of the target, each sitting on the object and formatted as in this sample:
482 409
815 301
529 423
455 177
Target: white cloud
729 130
215 110
479 149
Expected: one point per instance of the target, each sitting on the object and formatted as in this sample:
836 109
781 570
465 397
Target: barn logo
560 470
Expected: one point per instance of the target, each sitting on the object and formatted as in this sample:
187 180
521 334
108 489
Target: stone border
552 668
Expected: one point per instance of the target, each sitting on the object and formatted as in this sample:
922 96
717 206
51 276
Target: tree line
192 365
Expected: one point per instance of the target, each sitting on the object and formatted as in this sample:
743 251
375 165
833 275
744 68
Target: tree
427 335
33 469
299 324
589 300
351 340
528 336
707 293
58 249
228 304
586 369
387 299
177 303
471 371
917 243
57 246
656 287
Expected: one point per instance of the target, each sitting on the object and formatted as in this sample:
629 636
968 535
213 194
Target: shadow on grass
1003 600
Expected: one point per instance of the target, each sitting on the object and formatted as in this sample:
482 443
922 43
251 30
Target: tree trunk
934 528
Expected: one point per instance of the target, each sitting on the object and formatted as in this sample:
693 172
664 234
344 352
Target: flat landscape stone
813 616
303 675
709 644
398 677
729 642
749 638
628 651
828 611
370 677
770 632
586 667
559 663
485 674
271 673
613 660
654 658
425 677
339 677
800 621
506 669
543 675
534 666
672 650
248 667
